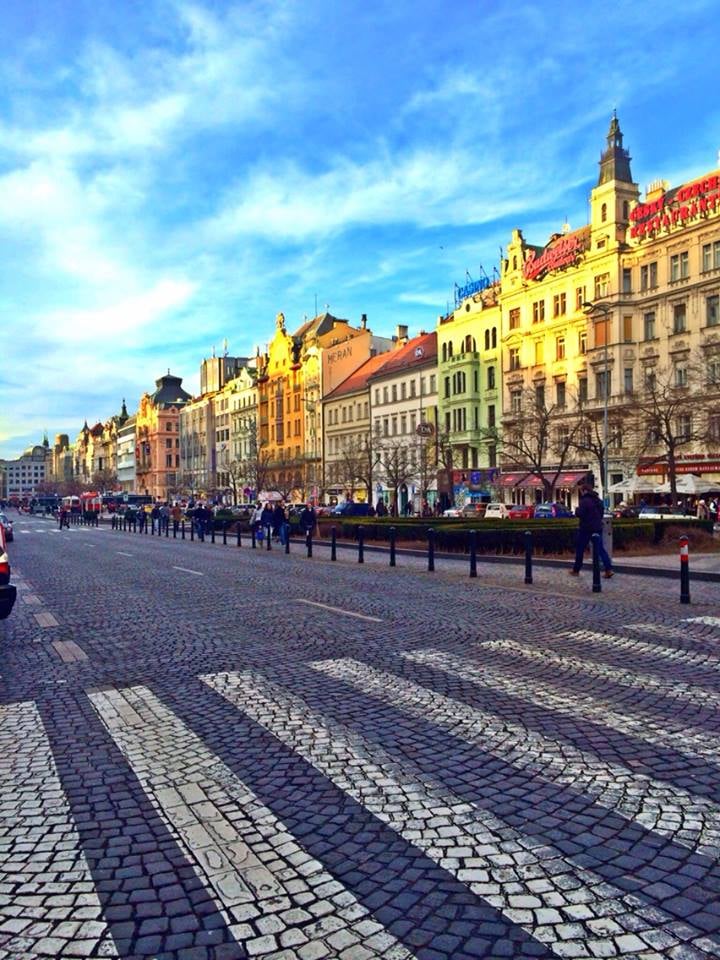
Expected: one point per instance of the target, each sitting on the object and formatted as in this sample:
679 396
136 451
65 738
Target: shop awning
511 479
570 478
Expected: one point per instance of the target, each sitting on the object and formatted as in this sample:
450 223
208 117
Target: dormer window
603 213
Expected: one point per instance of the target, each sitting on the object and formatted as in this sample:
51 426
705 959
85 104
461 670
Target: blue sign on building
468 289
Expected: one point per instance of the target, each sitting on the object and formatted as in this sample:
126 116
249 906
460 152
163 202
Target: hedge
501 536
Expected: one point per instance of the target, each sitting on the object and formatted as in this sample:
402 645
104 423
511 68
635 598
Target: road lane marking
710 621
157 744
345 613
69 651
45 619
25 811
197 573
470 842
121 553
637 796
86 544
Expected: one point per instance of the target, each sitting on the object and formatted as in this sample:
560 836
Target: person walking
278 521
590 513
307 518
713 510
266 520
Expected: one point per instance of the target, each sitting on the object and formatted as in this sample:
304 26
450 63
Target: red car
7 589
521 511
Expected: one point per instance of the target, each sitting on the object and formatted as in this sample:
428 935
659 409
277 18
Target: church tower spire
614 161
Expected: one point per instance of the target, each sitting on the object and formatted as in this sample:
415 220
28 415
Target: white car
496 511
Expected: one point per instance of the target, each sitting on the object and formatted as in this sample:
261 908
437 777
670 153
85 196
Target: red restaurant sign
701 466
558 254
676 207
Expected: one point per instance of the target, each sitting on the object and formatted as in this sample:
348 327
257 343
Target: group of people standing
274 521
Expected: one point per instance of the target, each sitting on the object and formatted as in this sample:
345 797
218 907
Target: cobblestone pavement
213 752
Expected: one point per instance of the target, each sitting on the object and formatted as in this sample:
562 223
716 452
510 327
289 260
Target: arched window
626 209
444 352
603 212
468 343
494 337
450 353
487 339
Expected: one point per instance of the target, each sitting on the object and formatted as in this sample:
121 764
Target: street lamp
606 310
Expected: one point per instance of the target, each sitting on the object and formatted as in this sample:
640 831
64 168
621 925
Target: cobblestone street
213 752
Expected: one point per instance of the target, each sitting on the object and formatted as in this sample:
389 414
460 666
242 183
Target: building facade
157 427
24 478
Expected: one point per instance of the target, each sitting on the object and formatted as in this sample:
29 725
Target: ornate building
157 427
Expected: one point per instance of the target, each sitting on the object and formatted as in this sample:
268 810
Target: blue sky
175 173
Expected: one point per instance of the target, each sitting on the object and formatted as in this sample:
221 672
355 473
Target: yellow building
554 360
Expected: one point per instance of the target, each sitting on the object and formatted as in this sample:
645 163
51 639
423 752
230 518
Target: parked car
7 525
664 512
625 511
8 592
351 509
496 511
521 511
474 509
551 511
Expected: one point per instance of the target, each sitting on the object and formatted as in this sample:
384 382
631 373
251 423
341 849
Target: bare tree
105 481
426 464
396 465
252 470
536 437
358 463
285 477
591 441
676 412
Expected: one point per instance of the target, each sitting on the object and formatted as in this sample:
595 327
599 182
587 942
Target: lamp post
606 310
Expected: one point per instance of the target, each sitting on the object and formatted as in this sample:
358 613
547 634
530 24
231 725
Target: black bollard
182 530
192 529
361 544
268 537
528 556
333 543
393 534
684 570
596 587
146 525
431 550
252 537
167 528
225 533
286 534
308 542
239 535
175 529
473 554
212 532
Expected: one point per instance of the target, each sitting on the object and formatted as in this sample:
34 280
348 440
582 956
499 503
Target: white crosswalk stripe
676 734
690 658
469 842
638 797
25 813
627 678
709 621
158 746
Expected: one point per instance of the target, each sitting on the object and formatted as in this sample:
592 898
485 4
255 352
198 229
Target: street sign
424 429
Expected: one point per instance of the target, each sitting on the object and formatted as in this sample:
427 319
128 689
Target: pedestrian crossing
520 835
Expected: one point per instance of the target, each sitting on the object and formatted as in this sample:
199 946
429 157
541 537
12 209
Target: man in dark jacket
307 518
590 513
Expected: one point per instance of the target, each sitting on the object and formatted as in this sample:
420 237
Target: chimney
363 322
402 331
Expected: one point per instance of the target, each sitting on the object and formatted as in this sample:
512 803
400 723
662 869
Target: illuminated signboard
474 286
558 254
676 208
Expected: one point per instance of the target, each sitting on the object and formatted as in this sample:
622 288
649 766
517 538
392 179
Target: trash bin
607 535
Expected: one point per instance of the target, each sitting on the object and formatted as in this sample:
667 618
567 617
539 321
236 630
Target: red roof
358 380
416 352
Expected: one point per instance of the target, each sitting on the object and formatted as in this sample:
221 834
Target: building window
515 358
627 329
491 416
386 396
602 286
603 213
168 426
579 297
539 352
713 373
560 393
679 268
386 427
603 385
540 396
491 378
514 321
683 426
412 388
649 325
648 276
711 256
582 342
712 308
681 376
559 305
168 460
432 383
627 280
403 424
516 401
447 386
714 427
559 348
394 393
538 311
628 380
679 317
403 388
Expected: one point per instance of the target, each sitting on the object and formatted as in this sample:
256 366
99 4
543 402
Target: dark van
350 509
